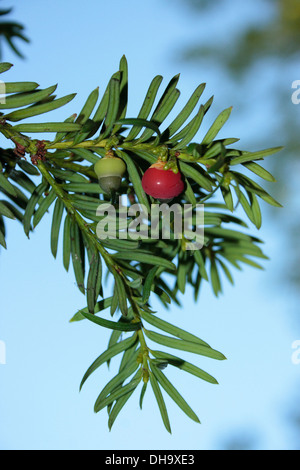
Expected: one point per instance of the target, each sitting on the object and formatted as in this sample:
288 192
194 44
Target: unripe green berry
110 171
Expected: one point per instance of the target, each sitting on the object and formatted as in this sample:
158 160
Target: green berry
110 171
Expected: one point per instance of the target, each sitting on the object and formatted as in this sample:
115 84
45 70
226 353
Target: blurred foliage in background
9 31
276 38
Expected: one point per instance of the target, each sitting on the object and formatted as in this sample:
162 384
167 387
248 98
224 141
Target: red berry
162 184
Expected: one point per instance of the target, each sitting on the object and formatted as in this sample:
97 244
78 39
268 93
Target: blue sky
252 323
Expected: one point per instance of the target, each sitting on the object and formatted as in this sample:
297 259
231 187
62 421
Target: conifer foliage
54 177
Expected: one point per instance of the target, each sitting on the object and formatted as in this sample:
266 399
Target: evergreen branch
68 184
